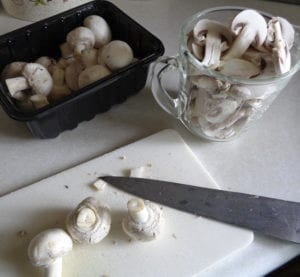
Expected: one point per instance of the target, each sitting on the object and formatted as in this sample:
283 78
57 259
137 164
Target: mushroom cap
38 78
81 36
49 245
251 19
12 70
72 73
92 74
145 231
100 28
116 54
99 221
204 26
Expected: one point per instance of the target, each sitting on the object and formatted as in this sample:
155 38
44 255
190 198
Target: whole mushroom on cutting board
250 47
87 55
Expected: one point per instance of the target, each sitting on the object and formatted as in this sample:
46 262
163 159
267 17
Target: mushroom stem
280 52
55 269
212 50
241 43
86 218
137 210
16 84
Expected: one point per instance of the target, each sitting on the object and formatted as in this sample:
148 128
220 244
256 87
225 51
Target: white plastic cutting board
188 245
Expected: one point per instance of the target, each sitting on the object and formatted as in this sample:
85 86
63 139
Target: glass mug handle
162 96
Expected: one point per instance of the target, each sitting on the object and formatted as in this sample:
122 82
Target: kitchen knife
273 217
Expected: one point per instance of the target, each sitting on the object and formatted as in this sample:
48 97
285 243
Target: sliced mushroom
144 220
116 54
251 29
79 39
100 29
92 74
218 112
60 89
239 68
196 49
35 76
287 30
280 51
213 32
47 249
89 222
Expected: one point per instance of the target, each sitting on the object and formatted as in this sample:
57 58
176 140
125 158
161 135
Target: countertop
265 160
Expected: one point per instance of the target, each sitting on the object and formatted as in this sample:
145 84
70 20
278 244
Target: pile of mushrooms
250 48
88 55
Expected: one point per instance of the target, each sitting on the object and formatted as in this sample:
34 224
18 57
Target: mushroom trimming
89 222
47 249
144 220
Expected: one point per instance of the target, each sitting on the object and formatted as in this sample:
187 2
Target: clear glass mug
221 114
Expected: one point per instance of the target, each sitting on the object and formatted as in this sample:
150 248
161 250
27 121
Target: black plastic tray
44 37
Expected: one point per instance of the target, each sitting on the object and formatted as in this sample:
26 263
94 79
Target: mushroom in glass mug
47 249
214 33
89 222
144 220
72 73
35 76
116 54
100 29
79 39
281 55
251 29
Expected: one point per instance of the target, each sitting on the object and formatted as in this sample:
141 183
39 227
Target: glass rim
217 74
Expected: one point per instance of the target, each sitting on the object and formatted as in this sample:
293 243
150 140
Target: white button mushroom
100 28
59 89
144 220
79 39
47 249
72 73
89 222
250 28
35 76
12 70
213 32
89 57
92 74
116 54
45 61
38 100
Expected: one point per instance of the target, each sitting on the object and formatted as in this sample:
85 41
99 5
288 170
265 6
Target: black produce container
43 39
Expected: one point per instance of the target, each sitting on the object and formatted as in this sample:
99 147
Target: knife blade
269 216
